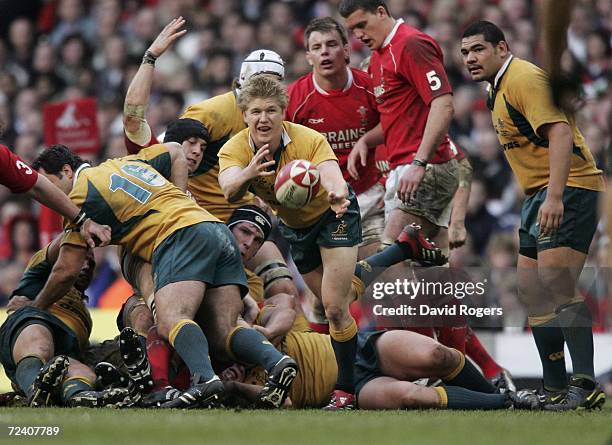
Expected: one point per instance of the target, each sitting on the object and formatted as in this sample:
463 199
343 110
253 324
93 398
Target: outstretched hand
167 36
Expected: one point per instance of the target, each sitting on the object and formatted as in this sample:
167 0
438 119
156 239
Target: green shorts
205 252
65 340
577 227
329 231
366 362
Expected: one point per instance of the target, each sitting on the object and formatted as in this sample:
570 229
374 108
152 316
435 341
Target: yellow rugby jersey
318 369
223 119
298 142
256 288
71 308
521 104
133 196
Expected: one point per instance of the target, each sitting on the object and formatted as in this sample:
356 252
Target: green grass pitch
91 426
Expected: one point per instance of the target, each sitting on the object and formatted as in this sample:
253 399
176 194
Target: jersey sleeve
235 153
321 151
73 238
158 157
15 174
422 64
134 142
214 120
530 94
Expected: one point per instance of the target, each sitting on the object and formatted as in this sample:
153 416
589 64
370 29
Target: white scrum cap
261 61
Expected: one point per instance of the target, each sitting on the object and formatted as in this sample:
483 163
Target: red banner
72 123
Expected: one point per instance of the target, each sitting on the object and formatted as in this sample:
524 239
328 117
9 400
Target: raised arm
137 97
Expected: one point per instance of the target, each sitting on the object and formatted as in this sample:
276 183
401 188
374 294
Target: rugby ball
296 184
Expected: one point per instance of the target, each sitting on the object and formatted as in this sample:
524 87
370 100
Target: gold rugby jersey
521 104
318 369
133 196
223 119
70 308
298 142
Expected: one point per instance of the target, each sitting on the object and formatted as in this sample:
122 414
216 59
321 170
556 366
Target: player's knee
440 357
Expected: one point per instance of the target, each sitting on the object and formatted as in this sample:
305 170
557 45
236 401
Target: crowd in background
53 50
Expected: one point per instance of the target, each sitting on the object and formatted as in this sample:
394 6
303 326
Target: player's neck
330 83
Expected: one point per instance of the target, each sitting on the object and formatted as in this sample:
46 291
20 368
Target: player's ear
67 171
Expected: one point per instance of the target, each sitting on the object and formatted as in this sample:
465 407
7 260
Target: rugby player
555 168
337 101
43 338
324 234
412 92
191 252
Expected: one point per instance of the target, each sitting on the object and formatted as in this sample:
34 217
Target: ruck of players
252 228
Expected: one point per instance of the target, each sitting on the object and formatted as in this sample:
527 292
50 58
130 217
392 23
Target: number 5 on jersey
434 80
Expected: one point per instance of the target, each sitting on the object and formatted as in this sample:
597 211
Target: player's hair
347 7
55 157
490 31
262 87
325 25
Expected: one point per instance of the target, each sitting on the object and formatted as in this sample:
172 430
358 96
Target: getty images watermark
409 289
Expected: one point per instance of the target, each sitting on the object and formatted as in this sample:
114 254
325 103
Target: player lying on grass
43 338
388 364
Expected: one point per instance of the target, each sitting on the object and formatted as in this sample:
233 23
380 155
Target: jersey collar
348 84
285 140
502 71
78 172
388 39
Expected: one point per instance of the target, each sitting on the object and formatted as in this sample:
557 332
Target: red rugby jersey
15 174
133 148
407 73
342 116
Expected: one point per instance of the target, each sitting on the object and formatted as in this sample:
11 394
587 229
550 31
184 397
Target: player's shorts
367 366
65 341
205 252
372 217
577 227
433 197
329 231
130 268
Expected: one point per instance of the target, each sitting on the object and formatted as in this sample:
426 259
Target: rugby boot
278 384
423 250
581 394
341 401
135 358
207 394
46 388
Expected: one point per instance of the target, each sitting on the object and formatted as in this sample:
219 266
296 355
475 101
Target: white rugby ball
296 184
